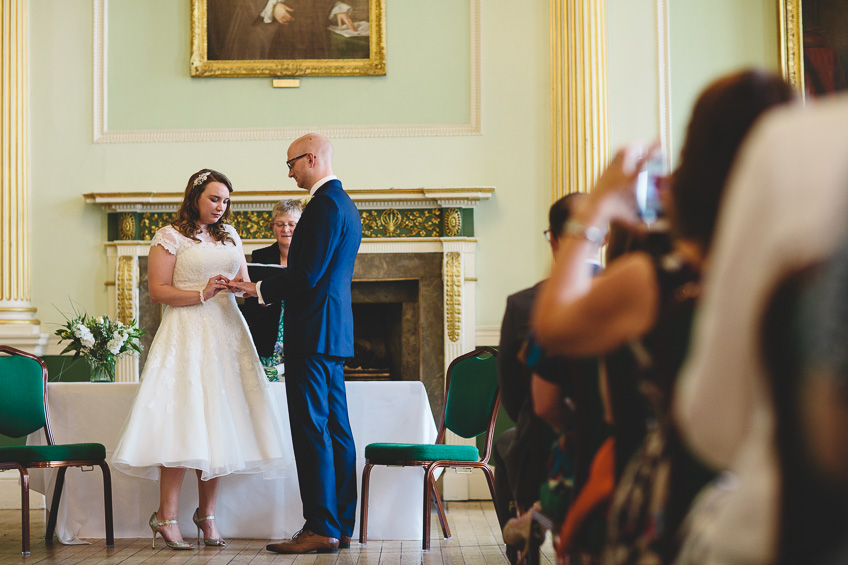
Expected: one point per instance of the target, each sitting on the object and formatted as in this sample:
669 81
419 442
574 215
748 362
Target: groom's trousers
324 451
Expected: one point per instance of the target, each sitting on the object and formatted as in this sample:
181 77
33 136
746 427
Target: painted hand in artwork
282 13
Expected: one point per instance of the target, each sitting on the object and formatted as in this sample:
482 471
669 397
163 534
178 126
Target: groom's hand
246 288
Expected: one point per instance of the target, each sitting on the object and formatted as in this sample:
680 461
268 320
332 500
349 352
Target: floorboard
475 541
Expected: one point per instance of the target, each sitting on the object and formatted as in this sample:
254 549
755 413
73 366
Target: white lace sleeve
167 237
234 234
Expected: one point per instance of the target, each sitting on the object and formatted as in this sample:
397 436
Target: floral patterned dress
277 358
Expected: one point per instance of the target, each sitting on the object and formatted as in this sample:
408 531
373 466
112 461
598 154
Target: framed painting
814 45
282 38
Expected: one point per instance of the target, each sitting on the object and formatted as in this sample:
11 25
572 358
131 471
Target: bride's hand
215 285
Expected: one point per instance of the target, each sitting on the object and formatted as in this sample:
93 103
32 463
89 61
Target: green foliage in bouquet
99 339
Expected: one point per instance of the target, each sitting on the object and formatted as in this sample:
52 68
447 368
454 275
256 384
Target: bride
204 402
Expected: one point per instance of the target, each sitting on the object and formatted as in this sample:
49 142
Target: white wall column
18 324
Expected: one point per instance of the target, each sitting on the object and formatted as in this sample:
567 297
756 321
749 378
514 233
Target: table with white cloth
249 506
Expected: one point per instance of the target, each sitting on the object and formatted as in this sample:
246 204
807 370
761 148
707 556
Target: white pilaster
18 324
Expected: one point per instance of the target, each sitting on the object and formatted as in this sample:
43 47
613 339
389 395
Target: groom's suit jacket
316 285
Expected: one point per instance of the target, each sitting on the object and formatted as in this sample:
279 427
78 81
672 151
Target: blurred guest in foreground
785 210
521 452
641 308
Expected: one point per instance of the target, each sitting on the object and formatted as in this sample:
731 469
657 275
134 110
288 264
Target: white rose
114 346
99 319
79 330
87 341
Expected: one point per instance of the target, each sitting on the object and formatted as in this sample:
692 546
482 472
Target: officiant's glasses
290 162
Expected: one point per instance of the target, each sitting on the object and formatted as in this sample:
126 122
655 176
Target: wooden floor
476 541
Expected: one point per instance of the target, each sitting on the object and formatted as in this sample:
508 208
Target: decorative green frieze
250 225
152 221
401 223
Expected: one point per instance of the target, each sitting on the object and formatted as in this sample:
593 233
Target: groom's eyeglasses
290 162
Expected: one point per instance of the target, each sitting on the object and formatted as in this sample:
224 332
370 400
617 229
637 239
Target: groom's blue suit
318 336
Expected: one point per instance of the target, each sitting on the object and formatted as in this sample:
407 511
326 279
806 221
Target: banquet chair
23 406
470 409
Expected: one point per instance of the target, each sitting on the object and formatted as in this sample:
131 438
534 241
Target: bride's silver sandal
211 542
156 526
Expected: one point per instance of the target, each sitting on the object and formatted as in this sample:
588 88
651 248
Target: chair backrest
472 397
23 393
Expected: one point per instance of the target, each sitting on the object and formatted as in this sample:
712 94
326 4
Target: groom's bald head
311 159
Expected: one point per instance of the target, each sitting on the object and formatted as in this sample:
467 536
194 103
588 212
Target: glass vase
102 371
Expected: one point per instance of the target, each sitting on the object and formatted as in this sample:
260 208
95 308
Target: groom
318 337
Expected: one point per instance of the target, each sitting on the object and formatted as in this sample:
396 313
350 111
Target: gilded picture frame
791 42
287 38
814 45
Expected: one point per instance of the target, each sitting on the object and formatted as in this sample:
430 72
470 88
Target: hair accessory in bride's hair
201 178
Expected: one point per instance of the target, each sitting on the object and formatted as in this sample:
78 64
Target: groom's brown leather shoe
344 542
305 541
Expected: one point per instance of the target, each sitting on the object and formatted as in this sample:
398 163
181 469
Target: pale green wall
712 38
427 80
632 71
512 153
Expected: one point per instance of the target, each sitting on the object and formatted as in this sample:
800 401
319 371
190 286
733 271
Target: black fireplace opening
377 346
385 331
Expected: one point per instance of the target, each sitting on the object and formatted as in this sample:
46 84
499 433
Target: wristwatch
580 230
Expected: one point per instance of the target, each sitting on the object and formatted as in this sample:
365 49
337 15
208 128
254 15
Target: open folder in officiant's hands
262 271
262 320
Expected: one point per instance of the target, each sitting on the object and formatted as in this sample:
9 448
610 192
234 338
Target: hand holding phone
648 201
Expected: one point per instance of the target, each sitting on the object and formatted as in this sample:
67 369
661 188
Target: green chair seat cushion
376 452
39 453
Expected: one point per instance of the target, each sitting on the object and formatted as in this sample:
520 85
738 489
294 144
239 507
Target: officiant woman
266 321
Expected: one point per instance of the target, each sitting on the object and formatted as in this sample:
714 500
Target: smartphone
648 203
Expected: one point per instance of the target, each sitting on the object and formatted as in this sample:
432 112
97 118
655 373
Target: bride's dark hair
189 213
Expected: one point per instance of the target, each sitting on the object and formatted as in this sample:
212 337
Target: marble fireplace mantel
365 198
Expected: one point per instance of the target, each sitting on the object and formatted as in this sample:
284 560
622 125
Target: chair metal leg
107 504
24 510
54 506
363 512
429 483
490 479
440 507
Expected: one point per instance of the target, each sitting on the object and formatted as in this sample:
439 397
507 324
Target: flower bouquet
99 340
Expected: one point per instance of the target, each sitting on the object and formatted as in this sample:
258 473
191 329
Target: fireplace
398 302
385 331
377 351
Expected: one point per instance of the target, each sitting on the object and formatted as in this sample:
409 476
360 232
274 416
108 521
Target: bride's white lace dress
204 401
